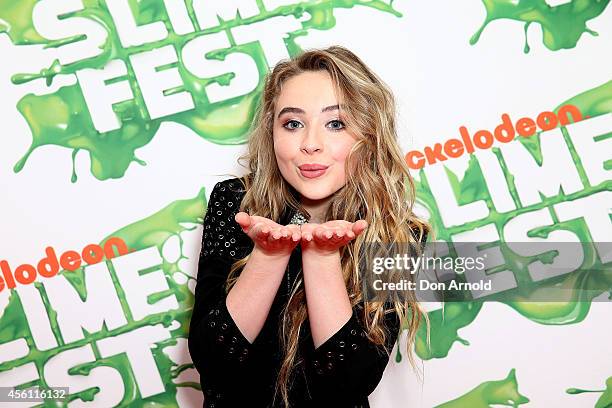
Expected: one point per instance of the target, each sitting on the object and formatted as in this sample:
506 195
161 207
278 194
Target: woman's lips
312 173
312 170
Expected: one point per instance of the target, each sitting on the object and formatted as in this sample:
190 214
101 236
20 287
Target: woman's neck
316 208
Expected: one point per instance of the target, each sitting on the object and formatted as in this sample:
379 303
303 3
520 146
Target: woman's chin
315 194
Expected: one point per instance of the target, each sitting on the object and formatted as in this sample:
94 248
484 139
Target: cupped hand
268 236
330 236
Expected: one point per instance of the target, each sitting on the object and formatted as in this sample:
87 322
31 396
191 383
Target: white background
441 83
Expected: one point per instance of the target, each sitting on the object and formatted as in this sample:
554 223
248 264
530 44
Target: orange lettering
467 142
564 110
51 262
453 148
547 121
483 143
434 154
525 127
6 272
504 133
92 254
118 243
70 260
415 164
25 274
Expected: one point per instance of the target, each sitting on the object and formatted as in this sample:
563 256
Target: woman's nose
311 142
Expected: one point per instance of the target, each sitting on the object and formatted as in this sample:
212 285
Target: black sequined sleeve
218 349
348 364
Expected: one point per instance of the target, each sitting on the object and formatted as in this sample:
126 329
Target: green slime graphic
502 392
154 230
605 401
63 119
446 322
562 25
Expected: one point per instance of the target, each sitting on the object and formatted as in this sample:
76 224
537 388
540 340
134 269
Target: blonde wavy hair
381 191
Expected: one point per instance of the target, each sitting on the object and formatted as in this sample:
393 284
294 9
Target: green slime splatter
446 322
489 393
562 25
63 119
605 401
154 230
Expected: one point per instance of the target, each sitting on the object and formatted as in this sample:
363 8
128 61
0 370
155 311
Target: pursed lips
312 171
312 167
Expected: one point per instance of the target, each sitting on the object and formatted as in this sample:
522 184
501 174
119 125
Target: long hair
379 190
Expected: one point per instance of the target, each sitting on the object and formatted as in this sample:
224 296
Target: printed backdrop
119 116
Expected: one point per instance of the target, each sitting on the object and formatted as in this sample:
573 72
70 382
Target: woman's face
310 134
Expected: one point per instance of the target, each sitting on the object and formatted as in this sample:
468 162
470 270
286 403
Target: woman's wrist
317 260
262 254
309 251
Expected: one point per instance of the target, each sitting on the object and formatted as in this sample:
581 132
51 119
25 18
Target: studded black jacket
341 372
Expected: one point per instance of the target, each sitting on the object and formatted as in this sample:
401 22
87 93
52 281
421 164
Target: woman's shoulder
232 186
226 196
222 234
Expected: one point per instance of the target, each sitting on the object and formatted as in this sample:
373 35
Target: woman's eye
336 124
292 124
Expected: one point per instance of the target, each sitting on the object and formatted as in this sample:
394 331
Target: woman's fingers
275 234
359 226
244 220
293 232
272 237
339 235
335 234
261 231
267 234
319 234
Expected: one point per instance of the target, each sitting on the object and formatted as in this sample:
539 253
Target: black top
341 372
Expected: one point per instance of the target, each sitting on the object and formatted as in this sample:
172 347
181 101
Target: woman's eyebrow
299 110
330 108
290 109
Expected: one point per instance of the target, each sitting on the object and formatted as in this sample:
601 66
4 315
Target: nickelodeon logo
50 265
484 139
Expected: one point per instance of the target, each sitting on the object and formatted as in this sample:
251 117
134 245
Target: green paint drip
605 401
16 20
562 25
63 119
594 102
502 392
584 286
445 323
47 73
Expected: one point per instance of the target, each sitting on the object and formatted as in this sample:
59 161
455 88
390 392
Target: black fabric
341 372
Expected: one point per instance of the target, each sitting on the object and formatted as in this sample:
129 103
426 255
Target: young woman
280 319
